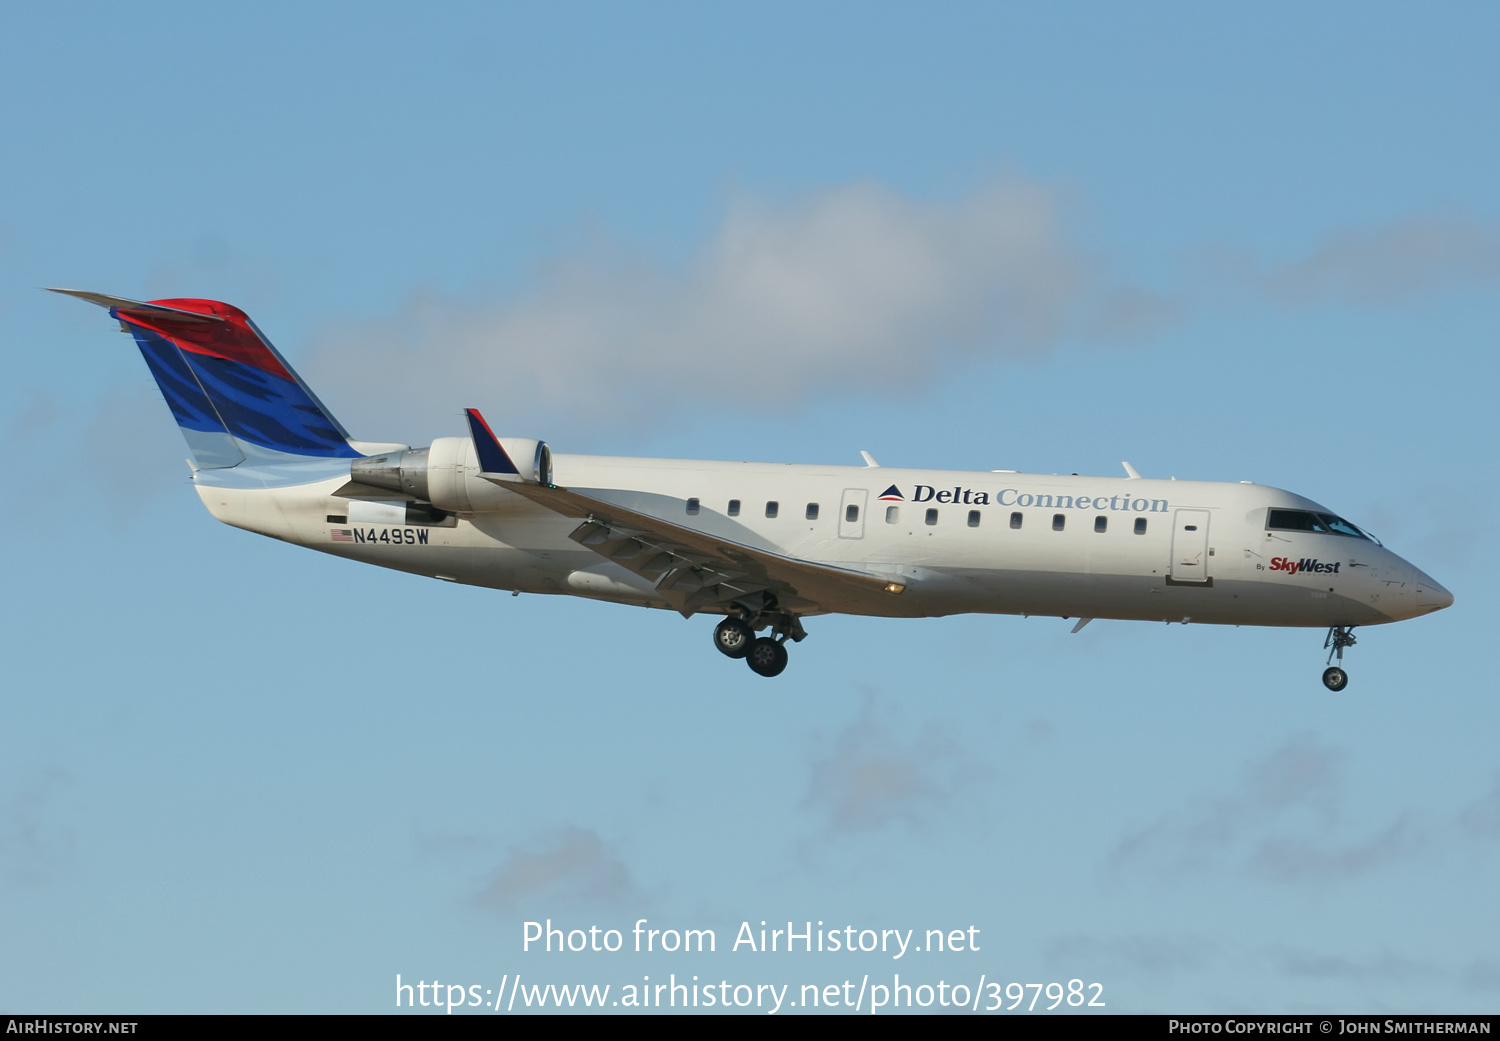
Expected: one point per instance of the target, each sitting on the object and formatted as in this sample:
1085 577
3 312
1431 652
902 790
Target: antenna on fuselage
1130 472
869 459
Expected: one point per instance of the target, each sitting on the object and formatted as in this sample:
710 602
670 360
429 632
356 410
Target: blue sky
1223 242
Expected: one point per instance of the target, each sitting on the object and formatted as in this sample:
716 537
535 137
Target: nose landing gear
1339 637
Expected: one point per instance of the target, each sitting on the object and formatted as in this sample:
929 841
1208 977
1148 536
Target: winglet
492 457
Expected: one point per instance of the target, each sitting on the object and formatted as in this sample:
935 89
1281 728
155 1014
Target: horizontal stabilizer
123 304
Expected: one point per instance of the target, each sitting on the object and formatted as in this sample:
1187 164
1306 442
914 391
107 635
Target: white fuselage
1000 542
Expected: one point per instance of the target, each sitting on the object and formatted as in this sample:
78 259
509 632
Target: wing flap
694 571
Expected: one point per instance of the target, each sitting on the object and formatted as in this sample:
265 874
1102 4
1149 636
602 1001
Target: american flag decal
341 534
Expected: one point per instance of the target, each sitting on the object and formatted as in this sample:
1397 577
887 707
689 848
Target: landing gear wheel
733 637
766 656
1339 638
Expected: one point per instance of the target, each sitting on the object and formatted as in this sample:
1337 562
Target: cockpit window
1294 520
1339 526
1305 520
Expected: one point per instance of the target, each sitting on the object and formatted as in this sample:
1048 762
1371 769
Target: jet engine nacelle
445 472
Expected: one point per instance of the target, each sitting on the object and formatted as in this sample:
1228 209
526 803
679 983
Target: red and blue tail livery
232 394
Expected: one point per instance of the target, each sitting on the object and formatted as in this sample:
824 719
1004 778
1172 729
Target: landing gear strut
766 655
1339 637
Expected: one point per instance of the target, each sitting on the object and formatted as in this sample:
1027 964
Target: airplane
764 545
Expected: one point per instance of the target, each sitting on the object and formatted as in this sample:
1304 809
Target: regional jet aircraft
763 545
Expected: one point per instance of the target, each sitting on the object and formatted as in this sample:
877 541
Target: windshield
1322 523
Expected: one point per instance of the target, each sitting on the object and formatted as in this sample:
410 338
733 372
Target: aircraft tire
766 657
733 637
1335 678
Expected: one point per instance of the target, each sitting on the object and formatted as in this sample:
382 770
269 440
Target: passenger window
973 518
773 508
932 516
1015 520
1190 527
812 511
892 514
1058 520
692 507
1140 525
734 507
852 513
1100 524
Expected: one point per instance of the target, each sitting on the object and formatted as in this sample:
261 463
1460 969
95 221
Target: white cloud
1281 822
1385 968
1294 857
872 778
1482 817
856 285
1387 264
33 844
1153 954
568 864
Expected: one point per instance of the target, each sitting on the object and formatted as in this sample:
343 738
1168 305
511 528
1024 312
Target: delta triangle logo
892 494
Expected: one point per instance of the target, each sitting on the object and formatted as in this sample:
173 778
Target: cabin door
1190 546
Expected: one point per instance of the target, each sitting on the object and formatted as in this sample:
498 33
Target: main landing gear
1339 637
766 655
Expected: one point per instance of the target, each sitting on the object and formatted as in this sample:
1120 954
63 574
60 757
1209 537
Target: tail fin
234 397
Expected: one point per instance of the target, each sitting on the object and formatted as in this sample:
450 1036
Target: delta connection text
1016 497
798 937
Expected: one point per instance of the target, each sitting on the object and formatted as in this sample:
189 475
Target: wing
692 570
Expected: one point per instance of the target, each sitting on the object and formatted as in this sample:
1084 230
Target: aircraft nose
1430 595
